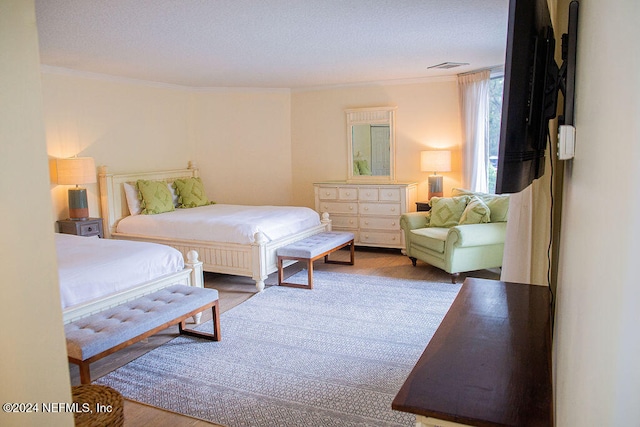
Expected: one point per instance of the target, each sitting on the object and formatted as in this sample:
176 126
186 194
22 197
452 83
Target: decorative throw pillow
363 167
154 196
446 211
498 204
132 196
356 171
476 212
190 193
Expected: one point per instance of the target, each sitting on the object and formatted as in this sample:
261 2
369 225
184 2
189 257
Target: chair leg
413 260
454 276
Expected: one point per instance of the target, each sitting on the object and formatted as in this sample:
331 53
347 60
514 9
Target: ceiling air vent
447 65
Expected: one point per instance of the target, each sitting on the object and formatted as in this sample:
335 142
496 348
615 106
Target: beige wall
125 126
252 146
236 137
428 115
597 346
242 142
33 362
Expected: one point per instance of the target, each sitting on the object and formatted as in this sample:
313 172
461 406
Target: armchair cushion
433 238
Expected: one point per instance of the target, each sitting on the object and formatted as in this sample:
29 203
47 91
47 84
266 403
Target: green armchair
456 247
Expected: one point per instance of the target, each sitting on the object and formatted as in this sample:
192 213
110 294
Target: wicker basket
98 406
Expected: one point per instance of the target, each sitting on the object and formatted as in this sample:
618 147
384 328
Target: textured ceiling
271 43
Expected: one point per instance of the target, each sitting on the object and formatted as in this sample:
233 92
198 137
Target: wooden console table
489 362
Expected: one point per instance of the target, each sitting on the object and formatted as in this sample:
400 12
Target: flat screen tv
529 97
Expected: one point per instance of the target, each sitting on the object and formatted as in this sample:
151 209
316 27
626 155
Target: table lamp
75 171
435 161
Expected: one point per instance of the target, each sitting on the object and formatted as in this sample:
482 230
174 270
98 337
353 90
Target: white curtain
516 261
474 106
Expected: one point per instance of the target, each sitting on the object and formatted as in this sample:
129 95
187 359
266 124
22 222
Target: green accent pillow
446 211
154 196
498 204
190 193
476 212
363 167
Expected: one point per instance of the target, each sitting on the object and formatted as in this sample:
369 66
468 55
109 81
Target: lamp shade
435 161
73 171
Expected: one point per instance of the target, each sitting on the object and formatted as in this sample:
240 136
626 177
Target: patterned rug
332 356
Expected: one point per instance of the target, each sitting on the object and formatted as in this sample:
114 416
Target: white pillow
174 194
131 194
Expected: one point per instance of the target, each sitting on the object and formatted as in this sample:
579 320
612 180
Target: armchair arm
413 220
477 234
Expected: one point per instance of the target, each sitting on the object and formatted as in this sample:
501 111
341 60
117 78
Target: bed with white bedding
95 274
231 239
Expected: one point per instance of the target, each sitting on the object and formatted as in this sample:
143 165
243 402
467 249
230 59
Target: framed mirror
371 144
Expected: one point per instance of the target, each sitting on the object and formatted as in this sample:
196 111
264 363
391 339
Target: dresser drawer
368 194
391 239
328 193
339 207
347 193
344 222
390 194
376 223
379 209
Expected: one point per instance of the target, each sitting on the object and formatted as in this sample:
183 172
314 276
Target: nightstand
82 227
423 206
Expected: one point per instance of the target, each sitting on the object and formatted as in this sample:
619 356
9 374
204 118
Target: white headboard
113 202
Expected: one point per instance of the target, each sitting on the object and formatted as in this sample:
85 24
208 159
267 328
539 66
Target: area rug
332 356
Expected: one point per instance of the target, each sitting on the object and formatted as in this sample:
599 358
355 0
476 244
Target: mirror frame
372 115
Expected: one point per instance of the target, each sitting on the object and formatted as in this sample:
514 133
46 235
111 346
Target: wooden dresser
489 362
370 211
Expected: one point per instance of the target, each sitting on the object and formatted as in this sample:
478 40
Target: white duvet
90 268
222 223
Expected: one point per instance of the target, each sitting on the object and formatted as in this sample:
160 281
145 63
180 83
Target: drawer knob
366 208
393 209
350 208
348 193
393 223
366 222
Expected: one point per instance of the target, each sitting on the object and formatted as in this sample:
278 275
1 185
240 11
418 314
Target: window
495 113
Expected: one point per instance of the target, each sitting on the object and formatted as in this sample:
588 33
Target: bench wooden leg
85 373
215 311
352 248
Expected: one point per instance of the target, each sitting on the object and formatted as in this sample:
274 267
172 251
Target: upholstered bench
98 335
313 248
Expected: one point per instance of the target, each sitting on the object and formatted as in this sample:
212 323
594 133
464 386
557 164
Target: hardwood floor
234 290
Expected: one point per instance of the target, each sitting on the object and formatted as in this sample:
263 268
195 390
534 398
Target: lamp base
78 205
435 186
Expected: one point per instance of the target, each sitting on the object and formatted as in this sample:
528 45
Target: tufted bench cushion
95 336
312 248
